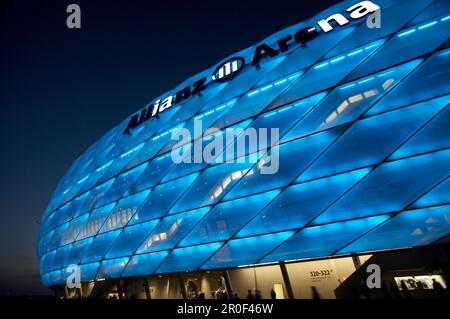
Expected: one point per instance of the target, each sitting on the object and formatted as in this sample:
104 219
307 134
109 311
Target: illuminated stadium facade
362 112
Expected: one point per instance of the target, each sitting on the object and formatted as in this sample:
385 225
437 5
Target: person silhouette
315 293
393 288
439 289
405 291
385 290
365 291
273 294
250 295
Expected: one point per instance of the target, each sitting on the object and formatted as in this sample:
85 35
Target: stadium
361 113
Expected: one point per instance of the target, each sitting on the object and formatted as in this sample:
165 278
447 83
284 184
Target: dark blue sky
61 89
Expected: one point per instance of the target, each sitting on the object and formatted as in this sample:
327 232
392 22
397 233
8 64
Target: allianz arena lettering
284 44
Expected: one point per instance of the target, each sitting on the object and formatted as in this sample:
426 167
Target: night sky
62 89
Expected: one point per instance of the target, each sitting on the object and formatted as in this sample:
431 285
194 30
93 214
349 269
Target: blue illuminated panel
434 136
171 230
46 263
152 174
414 88
256 100
130 239
300 203
96 196
407 44
58 236
74 229
100 246
323 240
395 14
145 264
226 218
211 186
61 256
339 66
192 107
371 140
57 218
162 198
118 163
390 187
96 219
245 251
78 250
189 258
123 211
410 228
188 152
44 244
349 101
89 271
123 182
280 119
150 148
284 117
112 268
56 277
298 60
78 205
293 158
437 196
46 280
221 156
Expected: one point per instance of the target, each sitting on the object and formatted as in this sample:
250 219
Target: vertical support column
287 281
356 261
119 289
255 279
148 293
66 292
83 289
226 276
182 286
120 292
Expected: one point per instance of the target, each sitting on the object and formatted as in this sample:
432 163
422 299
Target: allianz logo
228 69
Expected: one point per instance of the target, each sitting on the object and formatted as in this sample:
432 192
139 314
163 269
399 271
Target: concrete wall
325 275
261 278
